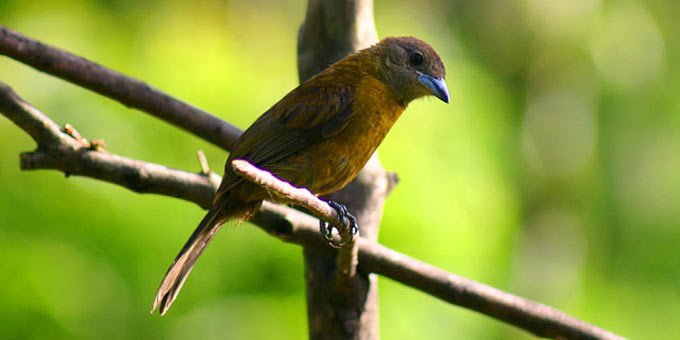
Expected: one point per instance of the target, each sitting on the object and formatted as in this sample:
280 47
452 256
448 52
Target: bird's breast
337 160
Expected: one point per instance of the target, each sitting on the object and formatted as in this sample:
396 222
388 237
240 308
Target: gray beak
436 85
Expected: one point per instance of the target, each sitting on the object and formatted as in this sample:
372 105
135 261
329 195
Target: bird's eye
415 58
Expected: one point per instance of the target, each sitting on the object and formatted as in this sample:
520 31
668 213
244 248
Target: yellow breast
340 158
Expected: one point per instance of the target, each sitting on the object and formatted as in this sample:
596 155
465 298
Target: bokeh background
554 174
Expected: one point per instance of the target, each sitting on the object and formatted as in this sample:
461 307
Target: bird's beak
436 85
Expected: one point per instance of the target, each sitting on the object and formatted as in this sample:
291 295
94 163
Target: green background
554 174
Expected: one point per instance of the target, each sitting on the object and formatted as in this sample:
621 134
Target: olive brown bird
319 136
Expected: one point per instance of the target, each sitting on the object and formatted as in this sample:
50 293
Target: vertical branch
332 30
343 307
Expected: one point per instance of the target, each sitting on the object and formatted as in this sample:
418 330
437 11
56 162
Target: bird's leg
349 221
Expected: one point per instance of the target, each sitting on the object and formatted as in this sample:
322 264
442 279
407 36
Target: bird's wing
307 115
328 108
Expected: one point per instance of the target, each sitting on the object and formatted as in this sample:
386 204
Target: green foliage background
554 174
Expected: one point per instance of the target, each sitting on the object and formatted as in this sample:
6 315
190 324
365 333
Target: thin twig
42 129
288 193
203 162
55 152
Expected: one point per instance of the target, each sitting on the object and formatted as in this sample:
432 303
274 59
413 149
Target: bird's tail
201 237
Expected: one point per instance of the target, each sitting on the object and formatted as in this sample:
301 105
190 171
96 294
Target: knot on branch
94 145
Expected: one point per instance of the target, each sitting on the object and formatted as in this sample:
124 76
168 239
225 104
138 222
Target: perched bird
319 136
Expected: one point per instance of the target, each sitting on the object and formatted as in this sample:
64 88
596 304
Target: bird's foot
349 222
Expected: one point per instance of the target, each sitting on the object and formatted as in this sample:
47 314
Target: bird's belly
327 166
337 170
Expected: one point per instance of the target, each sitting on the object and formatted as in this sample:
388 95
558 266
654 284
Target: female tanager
319 136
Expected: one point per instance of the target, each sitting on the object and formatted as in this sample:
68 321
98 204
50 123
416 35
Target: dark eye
415 58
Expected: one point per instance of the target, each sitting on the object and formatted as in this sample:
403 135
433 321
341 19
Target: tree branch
60 151
126 90
289 193
347 257
531 316
69 155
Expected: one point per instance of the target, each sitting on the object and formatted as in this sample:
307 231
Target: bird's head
412 69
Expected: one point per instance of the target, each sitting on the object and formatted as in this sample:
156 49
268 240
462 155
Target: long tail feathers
181 267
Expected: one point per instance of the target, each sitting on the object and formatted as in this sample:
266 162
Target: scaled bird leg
349 221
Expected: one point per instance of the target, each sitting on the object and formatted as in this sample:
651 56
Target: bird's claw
349 221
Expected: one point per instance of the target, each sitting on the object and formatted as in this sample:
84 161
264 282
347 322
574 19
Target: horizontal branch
534 317
109 83
138 176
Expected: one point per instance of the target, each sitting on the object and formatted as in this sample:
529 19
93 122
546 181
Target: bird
318 136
